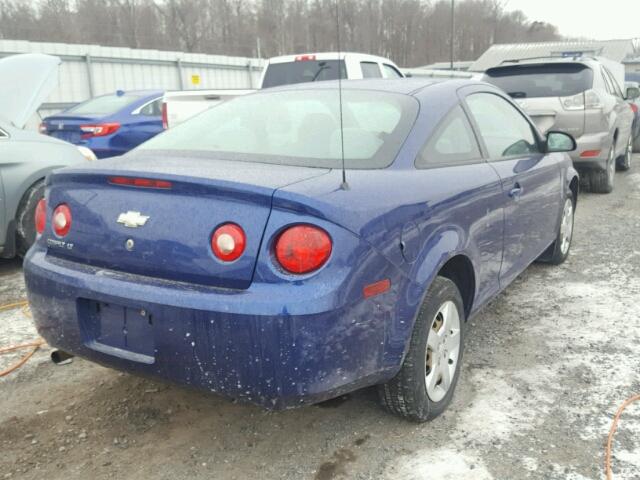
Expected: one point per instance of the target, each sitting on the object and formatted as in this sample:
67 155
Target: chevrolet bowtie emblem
132 219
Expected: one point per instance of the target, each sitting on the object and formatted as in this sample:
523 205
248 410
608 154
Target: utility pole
453 24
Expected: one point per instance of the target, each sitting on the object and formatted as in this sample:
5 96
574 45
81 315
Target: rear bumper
589 142
250 345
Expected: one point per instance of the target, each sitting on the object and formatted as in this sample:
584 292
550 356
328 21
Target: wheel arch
459 269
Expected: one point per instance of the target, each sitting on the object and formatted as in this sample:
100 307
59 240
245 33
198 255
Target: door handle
516 191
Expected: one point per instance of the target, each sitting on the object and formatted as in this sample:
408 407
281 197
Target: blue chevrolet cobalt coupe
229 254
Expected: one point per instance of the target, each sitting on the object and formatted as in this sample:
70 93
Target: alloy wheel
443 350
566 227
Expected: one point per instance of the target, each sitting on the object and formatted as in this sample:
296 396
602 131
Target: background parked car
26 157
579 96
181 105
635 106
315 67
109 125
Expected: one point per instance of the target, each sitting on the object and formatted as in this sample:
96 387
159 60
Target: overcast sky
602 20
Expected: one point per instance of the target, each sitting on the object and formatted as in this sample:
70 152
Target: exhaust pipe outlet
60 357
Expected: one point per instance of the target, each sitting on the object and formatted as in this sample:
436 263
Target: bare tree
411 32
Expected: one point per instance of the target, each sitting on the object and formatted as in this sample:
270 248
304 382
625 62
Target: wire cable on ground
614 426
34 345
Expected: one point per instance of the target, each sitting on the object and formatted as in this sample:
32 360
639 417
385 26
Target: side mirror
560 142
633 93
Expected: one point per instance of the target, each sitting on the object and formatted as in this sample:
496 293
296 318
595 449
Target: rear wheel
25 218
558 252
424 386
625 161
601 181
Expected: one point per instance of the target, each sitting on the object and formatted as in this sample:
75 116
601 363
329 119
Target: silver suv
579 96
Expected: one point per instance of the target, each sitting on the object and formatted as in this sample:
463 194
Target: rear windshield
104 105
298 127
303 71
549 80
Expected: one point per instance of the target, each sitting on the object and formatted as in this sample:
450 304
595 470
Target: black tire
25 218
406 394
557 252
624 162
601 181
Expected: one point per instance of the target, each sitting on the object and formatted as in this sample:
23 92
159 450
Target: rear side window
453 143
548 80
390 71
614 84
104 105
370 70
303 71
153 109
505 132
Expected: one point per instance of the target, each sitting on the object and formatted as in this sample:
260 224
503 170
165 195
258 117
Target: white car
314 67
179 106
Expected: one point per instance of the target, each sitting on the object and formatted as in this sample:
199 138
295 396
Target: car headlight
87 154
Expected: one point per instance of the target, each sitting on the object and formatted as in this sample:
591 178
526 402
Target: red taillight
590 153
634 107
305 58
303 248
99 129
61 220
140 182
228 242
41 216
165 118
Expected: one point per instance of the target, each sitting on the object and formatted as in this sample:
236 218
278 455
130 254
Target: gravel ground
547 363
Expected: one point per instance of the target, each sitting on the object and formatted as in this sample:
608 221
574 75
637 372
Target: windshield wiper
323 66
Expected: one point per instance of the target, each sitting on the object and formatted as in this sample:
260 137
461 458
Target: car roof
547 60
406 86
329 56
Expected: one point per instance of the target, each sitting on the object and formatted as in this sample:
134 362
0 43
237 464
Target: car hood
26 81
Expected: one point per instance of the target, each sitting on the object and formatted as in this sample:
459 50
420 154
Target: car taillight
303 248
305 58
165 117
99 129
634 107
41 216
581 101
42 128
140 182
61 220
228 242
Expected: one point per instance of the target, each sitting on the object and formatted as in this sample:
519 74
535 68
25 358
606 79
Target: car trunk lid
549 114
67 127
166 232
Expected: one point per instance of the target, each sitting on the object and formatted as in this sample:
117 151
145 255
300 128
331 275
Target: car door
623 113
531 180
469 195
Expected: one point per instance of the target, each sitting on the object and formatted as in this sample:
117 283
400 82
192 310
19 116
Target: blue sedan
109 125
229 253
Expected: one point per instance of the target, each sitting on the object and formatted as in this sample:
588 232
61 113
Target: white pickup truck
309 67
